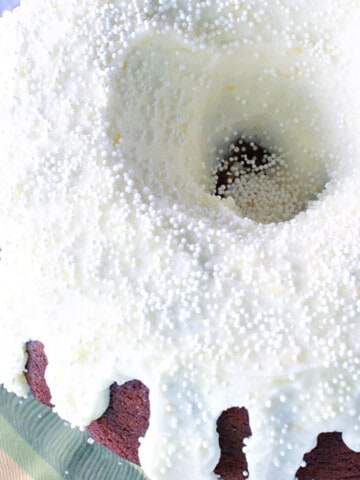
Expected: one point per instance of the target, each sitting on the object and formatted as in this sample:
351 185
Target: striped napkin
35 444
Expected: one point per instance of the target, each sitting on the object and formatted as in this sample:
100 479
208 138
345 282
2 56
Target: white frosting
118 257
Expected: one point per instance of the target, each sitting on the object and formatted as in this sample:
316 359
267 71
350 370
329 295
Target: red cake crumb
331 459
127 418
233 427
35 372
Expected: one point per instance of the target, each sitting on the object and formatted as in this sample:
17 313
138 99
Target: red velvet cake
180 228
126 420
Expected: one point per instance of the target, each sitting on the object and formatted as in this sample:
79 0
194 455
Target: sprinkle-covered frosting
119 252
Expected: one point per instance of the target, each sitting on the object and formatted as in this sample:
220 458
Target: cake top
121 252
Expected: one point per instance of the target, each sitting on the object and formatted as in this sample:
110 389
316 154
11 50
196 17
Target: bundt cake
180 218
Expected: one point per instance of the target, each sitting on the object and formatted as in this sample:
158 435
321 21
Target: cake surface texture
179 204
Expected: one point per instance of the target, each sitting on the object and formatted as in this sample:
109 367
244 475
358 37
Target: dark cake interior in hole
242 156
263 177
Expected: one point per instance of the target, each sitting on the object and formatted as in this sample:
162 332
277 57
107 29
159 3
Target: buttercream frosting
119 257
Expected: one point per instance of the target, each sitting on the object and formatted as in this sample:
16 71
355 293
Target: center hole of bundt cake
265 186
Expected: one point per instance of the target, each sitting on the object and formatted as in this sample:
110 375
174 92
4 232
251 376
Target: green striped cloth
35 444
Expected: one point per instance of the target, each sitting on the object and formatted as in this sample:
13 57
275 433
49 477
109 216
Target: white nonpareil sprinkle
116 253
